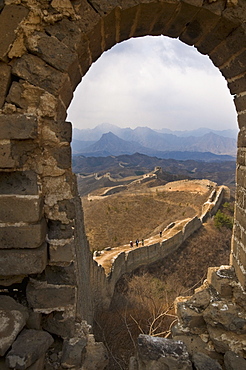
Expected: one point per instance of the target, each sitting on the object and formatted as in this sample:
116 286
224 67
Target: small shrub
229 207
222 220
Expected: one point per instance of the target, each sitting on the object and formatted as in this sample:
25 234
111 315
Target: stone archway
49 46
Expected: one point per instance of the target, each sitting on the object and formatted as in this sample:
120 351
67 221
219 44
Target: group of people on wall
137 242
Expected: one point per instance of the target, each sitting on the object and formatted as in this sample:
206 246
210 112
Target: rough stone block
17 237
89 16
203 23
185 14
167 12
5 78
18 126
10 280
240 103
224 341
204 362
67 206
84 55
61 129
190 318
63 156
10 18
37 72
236 67
96 356
38 365
60 275
3 366
15 208
6 158
231 45
237 86
194 342
127 18
32 98
194 2
240 271
67 32
46 298
103 7
216 7
28 348
241 181
163 353
220 278
241 156
24 261
95 42
241 254
227 315
57 323
13 317
55 53
64 253
109 26
242 120
146 15
200 300
240 215
15 95
34 320
19 183
72 352
233 361
221 31
57 230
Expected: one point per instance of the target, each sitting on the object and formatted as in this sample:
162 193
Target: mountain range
201 144
97 172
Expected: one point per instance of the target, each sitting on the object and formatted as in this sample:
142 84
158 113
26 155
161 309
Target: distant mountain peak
109 139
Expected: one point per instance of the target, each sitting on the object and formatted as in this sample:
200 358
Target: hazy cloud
156 82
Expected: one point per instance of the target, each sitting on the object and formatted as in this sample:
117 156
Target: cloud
156 82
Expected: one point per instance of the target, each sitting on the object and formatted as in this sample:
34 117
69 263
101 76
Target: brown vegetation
116 219
143 302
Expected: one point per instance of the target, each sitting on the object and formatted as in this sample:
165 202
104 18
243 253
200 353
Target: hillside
138 212
94 173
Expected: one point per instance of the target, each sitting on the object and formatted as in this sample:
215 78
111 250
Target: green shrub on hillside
222 220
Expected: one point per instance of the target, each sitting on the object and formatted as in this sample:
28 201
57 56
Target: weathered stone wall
47 47
127 262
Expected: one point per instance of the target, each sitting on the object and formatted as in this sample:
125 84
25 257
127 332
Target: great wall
46 269
111 264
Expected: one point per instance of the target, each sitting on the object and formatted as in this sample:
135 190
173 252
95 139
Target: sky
157 82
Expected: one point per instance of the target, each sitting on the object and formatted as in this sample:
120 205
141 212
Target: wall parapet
128 261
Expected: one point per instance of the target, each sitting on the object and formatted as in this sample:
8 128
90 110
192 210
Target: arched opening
159 104
125 308
158 82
